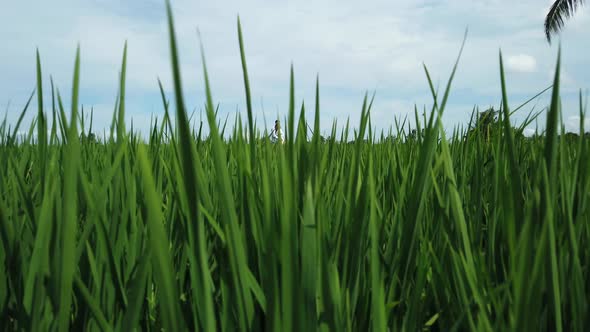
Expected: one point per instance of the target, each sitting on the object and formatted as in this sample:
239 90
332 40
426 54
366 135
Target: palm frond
558 13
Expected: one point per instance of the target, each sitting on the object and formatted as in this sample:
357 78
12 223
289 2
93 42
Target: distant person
276 135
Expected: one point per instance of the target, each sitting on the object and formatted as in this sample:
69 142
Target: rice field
483 230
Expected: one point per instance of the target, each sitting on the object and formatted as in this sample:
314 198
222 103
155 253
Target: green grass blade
162 262
70 208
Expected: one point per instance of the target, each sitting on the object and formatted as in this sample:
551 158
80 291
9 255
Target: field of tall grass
477 231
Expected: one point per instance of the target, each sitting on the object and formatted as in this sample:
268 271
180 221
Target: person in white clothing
276 135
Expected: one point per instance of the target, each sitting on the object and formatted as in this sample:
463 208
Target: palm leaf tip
558 13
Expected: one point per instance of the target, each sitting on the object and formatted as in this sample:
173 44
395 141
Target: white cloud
354 47
521 63
528 132
572 124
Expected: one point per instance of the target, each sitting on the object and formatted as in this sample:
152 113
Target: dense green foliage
183 232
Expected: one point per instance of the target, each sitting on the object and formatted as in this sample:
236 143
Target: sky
355 48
